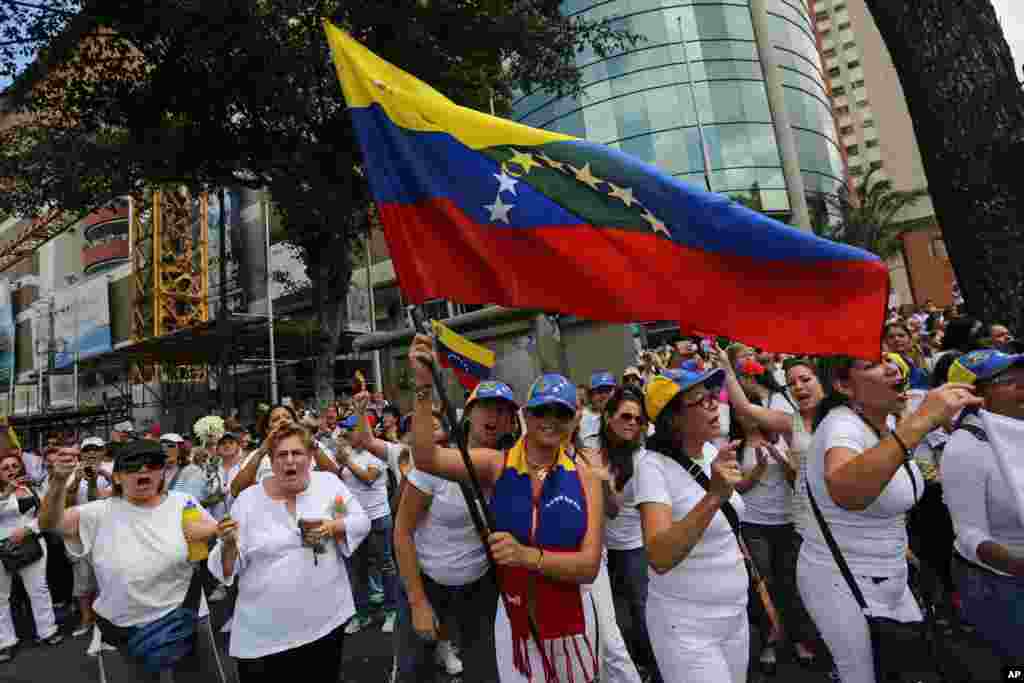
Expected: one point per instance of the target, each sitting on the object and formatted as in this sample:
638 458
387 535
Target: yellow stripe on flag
412 104
462 346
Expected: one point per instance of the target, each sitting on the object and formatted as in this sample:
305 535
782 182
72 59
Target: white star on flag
499 211
507 182
656 225
623 193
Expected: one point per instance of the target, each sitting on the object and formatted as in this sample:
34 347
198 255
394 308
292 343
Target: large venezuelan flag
479 209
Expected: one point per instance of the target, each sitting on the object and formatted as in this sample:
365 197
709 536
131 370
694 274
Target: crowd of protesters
661 494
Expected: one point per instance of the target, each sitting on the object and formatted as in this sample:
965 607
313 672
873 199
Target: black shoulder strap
702 479
975 431
844 568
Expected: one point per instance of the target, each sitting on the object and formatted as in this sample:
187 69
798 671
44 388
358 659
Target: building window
829 54
841 7
833 72
853 150
851 45
822 15
858 84
838 91
875 165
856 171
862 104
868 123
842 111
844 26
853 65
846 130
871 144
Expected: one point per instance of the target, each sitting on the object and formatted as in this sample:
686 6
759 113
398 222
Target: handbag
160 644
17 557
902 652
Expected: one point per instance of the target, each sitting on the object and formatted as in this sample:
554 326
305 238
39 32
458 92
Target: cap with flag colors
470 362
982 365
480 209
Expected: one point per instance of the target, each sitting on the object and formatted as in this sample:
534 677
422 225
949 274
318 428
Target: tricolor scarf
556 521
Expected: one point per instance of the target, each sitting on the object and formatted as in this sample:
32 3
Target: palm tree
866 217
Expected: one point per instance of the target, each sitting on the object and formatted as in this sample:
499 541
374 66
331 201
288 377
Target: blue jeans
994 605
627 572
470 609
374 552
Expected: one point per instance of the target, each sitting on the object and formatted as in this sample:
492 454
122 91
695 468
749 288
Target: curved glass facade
699 63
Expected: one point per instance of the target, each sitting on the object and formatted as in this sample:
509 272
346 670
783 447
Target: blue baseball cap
349 422
602 379
552 389
492 390
982 365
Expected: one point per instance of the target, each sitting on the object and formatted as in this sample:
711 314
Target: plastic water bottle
198 551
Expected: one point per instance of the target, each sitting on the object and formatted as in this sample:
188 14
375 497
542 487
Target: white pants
616 664
34 578
841 622
585 673
697 649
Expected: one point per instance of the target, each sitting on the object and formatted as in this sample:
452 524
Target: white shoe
446 657
81 630
218 594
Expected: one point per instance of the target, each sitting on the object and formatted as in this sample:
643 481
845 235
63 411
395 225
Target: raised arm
53 516
246 477
446 463
767 419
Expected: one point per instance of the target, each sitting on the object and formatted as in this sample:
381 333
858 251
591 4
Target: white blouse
284 599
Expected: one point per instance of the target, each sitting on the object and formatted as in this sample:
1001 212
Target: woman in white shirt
16 525
989 546
697 596
138 542
443 563
859 472
294 595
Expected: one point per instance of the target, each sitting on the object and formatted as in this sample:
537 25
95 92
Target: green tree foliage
869 217
243 92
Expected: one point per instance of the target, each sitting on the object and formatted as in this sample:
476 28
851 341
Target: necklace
541 471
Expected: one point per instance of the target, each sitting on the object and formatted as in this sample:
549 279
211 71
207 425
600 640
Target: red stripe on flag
821 308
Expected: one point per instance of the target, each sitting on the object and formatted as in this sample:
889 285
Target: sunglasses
560 413
708 401
148 462
631 417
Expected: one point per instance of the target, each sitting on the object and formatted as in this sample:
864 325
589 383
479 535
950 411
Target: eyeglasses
136 465
560 413
707 401
630 417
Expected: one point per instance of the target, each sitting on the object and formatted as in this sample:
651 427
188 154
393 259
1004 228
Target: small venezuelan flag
470 362
479 209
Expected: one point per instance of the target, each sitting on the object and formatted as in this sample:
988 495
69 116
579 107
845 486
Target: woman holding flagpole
549 524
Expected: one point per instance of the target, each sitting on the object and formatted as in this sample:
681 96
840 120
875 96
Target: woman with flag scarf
549 524
697 597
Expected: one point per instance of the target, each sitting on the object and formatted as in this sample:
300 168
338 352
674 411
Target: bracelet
906 451
540 557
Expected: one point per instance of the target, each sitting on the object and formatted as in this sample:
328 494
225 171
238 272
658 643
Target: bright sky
1011 16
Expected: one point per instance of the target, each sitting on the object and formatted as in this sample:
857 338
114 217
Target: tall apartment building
876 132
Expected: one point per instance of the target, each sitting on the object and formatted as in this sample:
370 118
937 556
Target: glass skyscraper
698 72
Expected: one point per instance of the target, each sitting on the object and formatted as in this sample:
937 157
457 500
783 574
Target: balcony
104 256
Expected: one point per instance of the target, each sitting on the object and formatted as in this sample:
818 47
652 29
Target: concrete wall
930 272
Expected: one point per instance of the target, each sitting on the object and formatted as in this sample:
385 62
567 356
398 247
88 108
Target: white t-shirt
447 545
625 531
139 555
800 445
373 497
284 599
873 540
394 452
977 495
712 581
11 517
770 501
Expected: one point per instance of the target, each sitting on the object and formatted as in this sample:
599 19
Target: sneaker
81 630
446 657
55 639
357 624
6 654
389 621
217 595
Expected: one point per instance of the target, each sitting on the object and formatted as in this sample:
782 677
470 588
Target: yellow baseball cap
660 390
